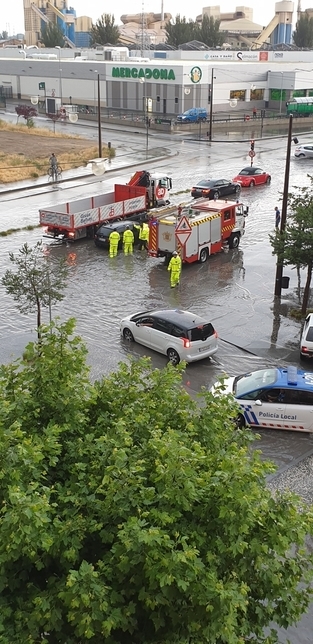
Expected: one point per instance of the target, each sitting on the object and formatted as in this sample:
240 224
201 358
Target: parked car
250 176
304 151
306 342
103 232
273 398
215 188
194 115
181 335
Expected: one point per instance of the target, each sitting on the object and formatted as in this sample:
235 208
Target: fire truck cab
212 225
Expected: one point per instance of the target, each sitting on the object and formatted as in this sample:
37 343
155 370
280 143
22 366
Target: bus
300 106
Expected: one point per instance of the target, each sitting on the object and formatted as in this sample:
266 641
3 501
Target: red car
250 176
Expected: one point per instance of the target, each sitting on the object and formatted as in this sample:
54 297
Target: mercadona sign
147 72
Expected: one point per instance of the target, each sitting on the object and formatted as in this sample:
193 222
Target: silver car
180 335
306 342
304 151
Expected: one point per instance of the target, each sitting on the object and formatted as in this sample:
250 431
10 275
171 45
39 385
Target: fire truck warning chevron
212 225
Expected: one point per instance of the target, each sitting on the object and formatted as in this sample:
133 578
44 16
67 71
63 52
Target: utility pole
280 257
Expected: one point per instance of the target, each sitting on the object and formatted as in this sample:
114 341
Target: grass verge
25 152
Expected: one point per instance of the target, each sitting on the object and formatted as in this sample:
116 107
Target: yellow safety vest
114 237
128 237
175 265
144 233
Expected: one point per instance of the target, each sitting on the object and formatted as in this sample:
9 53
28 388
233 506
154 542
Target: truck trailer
80 218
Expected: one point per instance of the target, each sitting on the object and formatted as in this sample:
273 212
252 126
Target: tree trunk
299 283
306 292
38 319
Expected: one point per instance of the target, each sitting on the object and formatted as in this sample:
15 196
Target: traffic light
252 145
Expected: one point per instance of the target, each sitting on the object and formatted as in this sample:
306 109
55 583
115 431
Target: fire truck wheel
234 241
203 255
173 356
251 184
127 335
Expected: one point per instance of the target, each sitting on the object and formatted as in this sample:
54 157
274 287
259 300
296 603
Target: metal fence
6 92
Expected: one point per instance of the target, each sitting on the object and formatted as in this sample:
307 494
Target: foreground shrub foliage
130 513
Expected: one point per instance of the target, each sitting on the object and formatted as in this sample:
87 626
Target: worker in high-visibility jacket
143 235
114 238
175 268
128 240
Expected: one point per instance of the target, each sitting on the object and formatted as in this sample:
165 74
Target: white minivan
180 335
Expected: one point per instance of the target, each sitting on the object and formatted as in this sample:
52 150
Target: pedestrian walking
114 239
143 235
277 217
254 112
175 269
128 241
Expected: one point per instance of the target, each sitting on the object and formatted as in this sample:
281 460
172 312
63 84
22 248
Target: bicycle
55 173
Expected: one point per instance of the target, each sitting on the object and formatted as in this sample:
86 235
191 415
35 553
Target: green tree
4 35
208 32
105 32
37 281
303 33
294 247
130 513
180 31
52 35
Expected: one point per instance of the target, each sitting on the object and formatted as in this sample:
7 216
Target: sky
12 17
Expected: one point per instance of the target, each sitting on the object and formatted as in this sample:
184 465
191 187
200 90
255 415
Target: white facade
173 83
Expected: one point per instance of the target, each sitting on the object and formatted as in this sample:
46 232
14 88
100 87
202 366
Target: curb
289 466
263 138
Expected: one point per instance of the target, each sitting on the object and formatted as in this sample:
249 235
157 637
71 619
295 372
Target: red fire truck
207 226
80 218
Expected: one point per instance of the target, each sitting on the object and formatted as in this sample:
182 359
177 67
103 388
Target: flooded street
233 289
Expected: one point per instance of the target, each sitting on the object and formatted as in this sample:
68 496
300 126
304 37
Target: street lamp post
280 258
211 106
147 122
146 111
99 118
60 72
281 92
95 71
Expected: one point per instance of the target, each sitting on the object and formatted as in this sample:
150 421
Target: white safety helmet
175 253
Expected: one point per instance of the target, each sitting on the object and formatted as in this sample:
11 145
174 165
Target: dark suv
103 233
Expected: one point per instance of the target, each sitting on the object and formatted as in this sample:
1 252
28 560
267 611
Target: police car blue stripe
249 415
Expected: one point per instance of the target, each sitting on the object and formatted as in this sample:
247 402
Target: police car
273 398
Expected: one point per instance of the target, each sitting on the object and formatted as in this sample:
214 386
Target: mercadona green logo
196 75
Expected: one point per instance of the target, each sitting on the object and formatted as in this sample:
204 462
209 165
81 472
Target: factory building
40 13
240 30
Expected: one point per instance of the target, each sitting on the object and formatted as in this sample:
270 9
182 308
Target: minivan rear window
201 332
309 335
